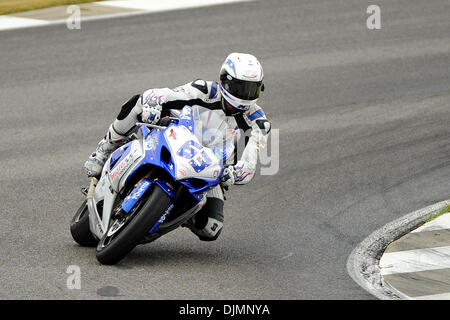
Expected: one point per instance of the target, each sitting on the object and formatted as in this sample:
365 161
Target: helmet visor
241 89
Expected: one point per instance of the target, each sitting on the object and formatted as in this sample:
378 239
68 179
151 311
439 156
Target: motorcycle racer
235 95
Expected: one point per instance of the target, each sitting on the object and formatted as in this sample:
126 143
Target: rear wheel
79 227
125 233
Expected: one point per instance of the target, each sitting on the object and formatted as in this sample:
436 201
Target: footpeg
84 191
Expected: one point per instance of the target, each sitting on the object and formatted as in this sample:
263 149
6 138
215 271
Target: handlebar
163 123
154 126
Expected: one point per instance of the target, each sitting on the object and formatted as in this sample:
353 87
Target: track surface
363 119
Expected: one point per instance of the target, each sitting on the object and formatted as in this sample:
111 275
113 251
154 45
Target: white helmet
240 80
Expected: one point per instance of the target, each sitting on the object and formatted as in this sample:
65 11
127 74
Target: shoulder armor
200 85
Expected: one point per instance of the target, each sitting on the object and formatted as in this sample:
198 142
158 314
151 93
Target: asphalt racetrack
363 120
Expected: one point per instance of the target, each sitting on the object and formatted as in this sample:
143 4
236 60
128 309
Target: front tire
79 227
113 247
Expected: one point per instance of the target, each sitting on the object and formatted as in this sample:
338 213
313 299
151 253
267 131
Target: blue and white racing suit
253 123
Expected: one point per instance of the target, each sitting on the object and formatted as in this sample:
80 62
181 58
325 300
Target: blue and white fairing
179 149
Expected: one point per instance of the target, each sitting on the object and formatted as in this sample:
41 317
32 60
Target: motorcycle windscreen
212 130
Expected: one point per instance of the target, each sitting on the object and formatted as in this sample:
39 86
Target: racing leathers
208 222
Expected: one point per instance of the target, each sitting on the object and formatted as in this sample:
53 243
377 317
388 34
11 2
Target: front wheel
125 233
79 227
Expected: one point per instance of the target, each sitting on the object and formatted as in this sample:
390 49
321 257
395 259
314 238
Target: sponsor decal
153 98
124 165
117 170
138 193
163 217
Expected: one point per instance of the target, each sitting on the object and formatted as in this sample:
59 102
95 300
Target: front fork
94 221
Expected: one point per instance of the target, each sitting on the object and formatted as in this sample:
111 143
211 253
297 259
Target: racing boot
106 146
208 222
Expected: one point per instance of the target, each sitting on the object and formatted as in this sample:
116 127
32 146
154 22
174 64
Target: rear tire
79 227
113 248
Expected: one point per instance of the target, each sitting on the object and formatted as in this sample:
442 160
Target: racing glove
228 177
151 114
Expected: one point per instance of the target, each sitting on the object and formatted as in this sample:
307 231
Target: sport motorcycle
154 183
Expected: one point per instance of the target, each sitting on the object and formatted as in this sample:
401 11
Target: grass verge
438 214
14 6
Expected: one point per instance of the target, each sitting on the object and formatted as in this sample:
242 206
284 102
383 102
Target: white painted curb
363 262
11 22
